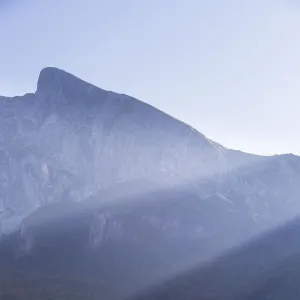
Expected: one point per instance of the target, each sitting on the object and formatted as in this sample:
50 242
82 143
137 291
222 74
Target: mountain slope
137 234
266 268
131 245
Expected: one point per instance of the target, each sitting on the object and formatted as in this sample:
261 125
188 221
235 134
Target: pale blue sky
230 68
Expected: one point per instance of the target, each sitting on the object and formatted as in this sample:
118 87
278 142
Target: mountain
99 190
265 268
71 139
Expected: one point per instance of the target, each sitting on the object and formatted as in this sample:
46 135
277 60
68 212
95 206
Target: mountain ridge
50 77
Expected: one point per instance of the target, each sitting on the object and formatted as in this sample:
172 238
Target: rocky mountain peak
53 80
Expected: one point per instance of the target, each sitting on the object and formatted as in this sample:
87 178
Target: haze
229 68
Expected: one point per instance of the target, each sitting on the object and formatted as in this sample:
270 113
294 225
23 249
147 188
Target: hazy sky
230 68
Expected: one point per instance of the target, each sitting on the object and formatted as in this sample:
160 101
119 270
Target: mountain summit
51 78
